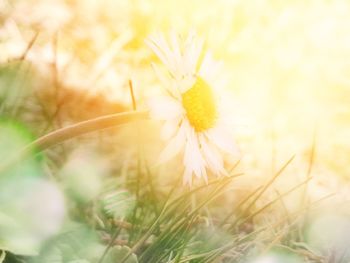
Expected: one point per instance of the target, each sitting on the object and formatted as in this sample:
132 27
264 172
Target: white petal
194 54
169 128
174 146
167 83
213 157
164 108
210 68
174 61
186 83
178 60
193 157
161 48
222 140
192 50
187 176
152 43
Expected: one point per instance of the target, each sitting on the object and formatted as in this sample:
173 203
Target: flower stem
75 130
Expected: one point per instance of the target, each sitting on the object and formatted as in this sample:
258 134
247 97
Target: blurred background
286 74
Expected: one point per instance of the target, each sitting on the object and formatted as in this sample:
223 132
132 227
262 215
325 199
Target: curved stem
77 129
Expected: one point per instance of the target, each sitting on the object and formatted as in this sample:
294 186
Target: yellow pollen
200 106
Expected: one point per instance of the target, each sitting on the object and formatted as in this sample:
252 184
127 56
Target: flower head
191 112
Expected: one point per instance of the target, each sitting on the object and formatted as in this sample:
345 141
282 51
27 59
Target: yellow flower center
200 106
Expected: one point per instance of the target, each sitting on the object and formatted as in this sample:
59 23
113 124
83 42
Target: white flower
192 117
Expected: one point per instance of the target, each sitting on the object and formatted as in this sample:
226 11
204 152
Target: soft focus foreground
101 197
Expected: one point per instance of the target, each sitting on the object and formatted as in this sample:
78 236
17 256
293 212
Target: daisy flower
191 112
